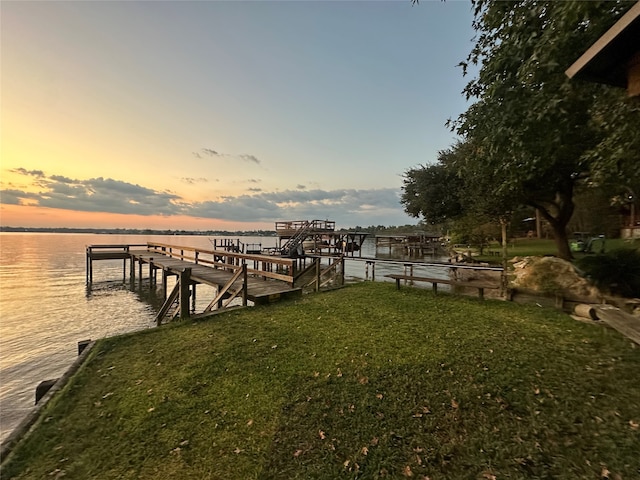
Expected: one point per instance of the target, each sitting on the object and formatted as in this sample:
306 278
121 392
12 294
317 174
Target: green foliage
363 382
435 192
617 271
536 133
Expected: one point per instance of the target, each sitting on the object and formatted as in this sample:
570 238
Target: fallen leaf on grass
407 471
454 404
634 425
297 453
107 395
321 434
365 451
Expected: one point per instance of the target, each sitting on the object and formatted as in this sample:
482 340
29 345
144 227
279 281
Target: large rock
551 275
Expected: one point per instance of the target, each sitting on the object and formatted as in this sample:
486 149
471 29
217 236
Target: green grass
364 382
525 247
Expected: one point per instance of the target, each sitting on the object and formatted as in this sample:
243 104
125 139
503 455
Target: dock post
86 273
132 270
164 284
185 281
193 297
318 274
341 269
90 265
244 285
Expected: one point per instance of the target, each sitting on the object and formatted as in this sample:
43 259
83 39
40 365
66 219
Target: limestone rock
551 275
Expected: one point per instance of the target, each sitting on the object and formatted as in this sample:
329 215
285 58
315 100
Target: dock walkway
250 277
259 290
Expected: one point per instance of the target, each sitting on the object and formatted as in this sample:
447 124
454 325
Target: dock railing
293 226
265 266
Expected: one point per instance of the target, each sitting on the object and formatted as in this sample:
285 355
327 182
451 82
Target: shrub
617 271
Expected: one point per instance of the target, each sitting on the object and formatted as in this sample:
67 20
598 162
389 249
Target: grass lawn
363 382
524 247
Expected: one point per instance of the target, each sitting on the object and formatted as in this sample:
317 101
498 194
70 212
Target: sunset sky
223 115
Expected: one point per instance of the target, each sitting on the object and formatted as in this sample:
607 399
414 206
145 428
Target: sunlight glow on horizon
35 217
222 115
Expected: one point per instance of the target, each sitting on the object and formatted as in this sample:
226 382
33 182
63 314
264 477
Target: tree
449 190
434 191
535 131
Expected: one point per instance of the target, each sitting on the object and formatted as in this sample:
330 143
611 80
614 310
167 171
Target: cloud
301 187
348 207
249 158
94 195
30 173
191 180
210 152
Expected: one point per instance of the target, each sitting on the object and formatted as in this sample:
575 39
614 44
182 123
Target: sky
223 115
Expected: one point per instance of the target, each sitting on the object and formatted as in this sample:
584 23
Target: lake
46 308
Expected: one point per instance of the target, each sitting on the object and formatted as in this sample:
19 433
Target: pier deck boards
259 290
263 286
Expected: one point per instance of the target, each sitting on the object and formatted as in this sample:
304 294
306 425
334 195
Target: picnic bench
435 281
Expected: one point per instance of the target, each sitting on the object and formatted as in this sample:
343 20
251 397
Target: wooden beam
185 282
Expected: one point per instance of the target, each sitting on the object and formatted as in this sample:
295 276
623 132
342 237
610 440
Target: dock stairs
291 247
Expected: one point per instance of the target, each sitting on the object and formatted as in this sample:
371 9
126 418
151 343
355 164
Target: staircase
290 248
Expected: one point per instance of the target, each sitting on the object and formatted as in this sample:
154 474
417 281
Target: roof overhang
614 56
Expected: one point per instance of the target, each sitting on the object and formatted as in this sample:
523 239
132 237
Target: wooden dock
257 278
317 237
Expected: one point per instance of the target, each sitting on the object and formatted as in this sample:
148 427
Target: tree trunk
558 211
563 209
562 241
503 277
503 231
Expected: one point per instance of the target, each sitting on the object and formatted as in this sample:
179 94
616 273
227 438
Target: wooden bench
435 281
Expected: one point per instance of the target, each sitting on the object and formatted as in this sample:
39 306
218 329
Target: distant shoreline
136 231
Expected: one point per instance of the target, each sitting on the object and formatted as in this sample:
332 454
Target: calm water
46 309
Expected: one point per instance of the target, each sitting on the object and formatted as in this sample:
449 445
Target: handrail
124 248
242 272
326 225
284 267
296 239
173 296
